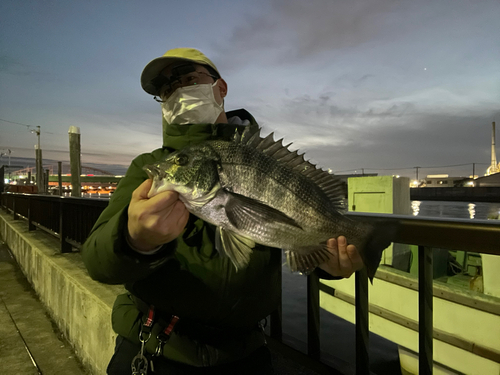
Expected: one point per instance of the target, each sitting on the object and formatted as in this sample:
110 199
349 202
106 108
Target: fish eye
181 160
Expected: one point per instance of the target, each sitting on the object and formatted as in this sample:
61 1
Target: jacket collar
176 137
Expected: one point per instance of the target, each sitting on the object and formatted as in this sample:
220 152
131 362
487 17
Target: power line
17 123
404 168
29 126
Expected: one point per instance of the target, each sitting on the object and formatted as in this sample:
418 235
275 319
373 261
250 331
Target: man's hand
344 259
155 221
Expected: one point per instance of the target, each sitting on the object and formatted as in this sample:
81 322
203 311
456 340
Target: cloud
294 30
420 140
403 34
380 135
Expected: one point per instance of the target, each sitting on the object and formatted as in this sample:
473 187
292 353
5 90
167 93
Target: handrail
70 219
70 214
456 234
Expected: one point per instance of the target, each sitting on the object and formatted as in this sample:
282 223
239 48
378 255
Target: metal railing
71 219
478 236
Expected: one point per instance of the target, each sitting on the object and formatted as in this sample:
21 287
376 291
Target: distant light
6 180
90 175
425 68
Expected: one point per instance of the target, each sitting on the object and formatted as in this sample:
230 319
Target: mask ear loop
213 85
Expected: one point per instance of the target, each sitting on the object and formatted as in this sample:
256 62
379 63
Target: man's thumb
142 191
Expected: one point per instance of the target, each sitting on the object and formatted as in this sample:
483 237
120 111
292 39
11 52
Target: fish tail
376 243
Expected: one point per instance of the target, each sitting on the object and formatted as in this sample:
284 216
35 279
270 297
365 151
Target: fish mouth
154 171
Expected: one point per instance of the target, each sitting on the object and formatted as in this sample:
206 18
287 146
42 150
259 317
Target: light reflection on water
472 210
415 207
458 210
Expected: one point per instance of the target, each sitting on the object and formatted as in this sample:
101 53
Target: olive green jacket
186 277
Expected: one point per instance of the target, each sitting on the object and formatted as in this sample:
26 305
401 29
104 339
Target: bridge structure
86 170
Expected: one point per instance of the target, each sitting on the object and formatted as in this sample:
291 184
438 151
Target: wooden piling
74 158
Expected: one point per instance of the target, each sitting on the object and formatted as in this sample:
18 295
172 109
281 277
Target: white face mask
194 104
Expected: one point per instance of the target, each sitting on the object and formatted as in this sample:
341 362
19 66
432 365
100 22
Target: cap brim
154 68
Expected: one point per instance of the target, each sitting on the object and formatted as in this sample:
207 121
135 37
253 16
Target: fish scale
255 190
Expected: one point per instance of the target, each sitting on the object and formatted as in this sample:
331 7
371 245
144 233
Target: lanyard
140 362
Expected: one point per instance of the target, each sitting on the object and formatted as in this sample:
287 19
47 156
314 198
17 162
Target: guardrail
71 219
68 218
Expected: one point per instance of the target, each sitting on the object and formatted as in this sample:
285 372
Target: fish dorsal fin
327 182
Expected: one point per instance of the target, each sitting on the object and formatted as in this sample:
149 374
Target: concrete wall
80 306
475 326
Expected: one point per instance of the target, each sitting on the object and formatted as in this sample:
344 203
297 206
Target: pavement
30 342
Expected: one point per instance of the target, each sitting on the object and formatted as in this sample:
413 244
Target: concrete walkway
30 343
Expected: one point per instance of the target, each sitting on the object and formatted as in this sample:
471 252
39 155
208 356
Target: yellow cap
153 69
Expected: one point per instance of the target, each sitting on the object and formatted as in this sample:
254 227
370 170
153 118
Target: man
187 311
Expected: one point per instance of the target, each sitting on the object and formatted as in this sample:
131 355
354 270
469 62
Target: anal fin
306 263
237 248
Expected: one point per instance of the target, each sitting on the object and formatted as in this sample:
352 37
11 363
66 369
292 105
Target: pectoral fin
235 247
244 213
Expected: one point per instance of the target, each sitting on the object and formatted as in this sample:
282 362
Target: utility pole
39 164
74 160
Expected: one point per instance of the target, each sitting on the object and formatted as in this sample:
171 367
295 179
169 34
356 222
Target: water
337 335
457 210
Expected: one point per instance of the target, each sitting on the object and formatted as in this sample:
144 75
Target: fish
255 190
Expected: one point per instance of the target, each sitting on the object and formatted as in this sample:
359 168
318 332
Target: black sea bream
255 190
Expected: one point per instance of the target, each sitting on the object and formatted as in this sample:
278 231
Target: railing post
31 226
63 225
425 295
313 324
362 328
14 212
276 315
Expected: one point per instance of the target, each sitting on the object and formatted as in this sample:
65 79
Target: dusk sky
383 85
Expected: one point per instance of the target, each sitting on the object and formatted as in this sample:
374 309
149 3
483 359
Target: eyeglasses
184 75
